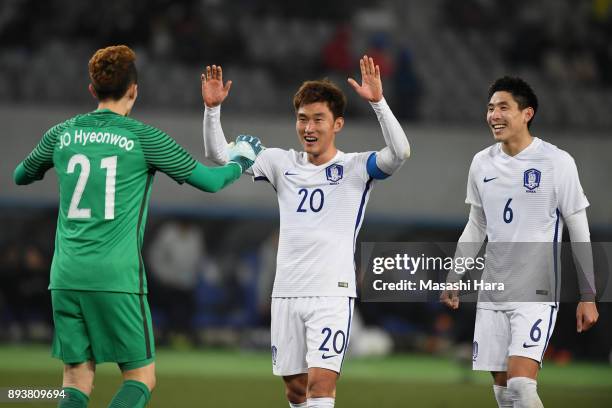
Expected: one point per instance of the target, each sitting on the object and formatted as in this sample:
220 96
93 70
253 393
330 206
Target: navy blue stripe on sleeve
264 178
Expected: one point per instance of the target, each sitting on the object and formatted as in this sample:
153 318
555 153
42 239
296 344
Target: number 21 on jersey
108 163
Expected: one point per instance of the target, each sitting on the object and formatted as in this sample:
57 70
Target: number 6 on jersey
508 214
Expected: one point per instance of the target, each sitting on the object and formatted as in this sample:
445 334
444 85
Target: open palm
213 90
371 85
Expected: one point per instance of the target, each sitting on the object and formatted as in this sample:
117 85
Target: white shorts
310 332
524 331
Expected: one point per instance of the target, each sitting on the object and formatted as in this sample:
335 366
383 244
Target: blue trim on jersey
348 334
552 310
359 215
264 178
360 212
556 251
362 204
373 170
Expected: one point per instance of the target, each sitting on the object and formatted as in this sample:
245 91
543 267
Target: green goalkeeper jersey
105 164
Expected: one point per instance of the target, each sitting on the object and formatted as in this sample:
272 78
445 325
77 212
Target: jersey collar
305 162
535 143
105 110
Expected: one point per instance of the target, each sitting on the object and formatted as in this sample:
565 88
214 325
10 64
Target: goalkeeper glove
244 151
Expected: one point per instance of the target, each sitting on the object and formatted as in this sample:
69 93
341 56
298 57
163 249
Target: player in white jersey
322 195
521 190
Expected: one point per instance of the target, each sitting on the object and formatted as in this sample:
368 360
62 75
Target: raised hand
214 91
371 85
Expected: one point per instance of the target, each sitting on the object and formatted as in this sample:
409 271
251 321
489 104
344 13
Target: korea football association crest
531 179
334 173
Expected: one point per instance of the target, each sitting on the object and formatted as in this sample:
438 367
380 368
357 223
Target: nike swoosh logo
291 174
486 180
525 345
324 357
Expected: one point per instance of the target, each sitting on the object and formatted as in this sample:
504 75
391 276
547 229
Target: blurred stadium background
210 258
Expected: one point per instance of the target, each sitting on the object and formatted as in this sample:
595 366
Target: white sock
320 402
502 396
300 405
524 392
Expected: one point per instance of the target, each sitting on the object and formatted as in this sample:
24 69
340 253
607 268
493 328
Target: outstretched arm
242 155
213 179
214 93
390 158
162 153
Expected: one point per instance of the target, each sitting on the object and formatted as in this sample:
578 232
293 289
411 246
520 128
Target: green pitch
233 379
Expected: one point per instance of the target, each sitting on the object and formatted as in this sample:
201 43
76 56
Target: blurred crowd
267 48
432 54
569 41
210 279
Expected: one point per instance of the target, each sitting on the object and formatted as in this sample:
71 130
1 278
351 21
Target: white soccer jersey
321 211
524 198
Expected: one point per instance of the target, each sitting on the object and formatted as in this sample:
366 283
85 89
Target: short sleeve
570 195
473 195
265 166
41 158
164 154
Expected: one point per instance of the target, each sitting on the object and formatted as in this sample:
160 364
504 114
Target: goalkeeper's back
105 164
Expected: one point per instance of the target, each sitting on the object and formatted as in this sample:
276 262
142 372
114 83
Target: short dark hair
520 90
322 90
112 71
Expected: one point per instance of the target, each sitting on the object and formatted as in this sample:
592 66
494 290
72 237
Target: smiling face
316 128
505 118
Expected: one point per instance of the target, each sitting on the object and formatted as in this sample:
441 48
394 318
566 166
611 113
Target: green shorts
103 327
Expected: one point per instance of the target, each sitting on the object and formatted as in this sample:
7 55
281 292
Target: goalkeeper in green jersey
105 164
